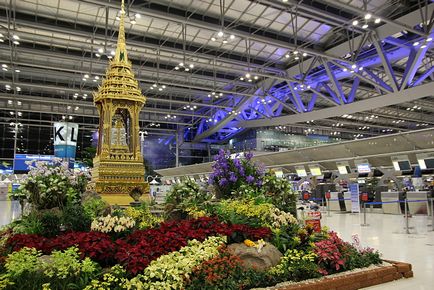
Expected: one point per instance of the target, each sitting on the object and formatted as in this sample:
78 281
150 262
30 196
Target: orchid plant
50 185
229 174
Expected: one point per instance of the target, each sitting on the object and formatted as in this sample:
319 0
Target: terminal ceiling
309 66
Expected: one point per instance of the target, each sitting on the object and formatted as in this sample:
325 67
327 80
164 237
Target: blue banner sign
355 201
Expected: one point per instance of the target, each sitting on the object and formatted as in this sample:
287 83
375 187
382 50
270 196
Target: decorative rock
268 257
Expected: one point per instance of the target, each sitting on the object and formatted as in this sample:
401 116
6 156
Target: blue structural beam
300 95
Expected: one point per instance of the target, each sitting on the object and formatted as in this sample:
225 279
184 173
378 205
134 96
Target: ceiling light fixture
184 67
158 87
191 108
248 77
215 95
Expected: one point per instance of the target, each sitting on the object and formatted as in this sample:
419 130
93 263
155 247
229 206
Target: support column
177 148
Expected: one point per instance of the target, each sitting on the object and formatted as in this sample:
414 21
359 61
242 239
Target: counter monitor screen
404 165
344 169
426 163
429 163
363 168
316 171
301 172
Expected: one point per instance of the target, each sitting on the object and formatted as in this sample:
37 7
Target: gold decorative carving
118 165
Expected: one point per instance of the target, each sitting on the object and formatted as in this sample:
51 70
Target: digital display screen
403 165
316 171
429 163
363 168
301 172
344 169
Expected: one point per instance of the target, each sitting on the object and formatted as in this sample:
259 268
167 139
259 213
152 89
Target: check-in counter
333 203
390 208
420 207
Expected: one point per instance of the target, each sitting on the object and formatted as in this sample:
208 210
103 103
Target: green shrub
295 266
46 223
74 218
95 207
28 269
186 198
114 279
142 216
29 224
280 193
51 221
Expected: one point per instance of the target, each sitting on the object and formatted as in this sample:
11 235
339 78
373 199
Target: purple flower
249 155
242 171
237 163
250 179
232 177
260 169
259 183
223 182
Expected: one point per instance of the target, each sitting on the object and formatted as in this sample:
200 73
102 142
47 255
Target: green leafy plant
28 269
95 207
142 216
359 257
28 224
51 222
296 266
250 212
114 279
184 198
280 193
74 218
45 223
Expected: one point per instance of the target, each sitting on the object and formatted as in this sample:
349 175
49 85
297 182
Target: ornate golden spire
118 165
120 82
121 49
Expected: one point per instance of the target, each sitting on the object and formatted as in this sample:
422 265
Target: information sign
355 201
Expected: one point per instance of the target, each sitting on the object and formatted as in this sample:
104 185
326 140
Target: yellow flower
249 243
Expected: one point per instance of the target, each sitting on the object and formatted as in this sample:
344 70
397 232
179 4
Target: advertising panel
65 139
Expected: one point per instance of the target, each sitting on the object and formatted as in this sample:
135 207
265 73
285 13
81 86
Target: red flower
139 248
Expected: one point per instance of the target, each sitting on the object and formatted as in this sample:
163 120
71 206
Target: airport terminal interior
217 144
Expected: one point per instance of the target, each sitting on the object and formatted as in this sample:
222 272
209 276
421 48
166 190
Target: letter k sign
57 133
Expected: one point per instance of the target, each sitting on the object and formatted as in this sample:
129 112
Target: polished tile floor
387 234
384 232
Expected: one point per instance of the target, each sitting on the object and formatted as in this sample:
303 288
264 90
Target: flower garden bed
240 232
353 280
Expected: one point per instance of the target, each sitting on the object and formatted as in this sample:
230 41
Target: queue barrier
406 214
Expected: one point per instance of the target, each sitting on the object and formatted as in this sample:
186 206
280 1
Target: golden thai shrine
118 165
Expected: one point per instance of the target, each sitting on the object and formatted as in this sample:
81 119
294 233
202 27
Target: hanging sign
355 201
65 139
